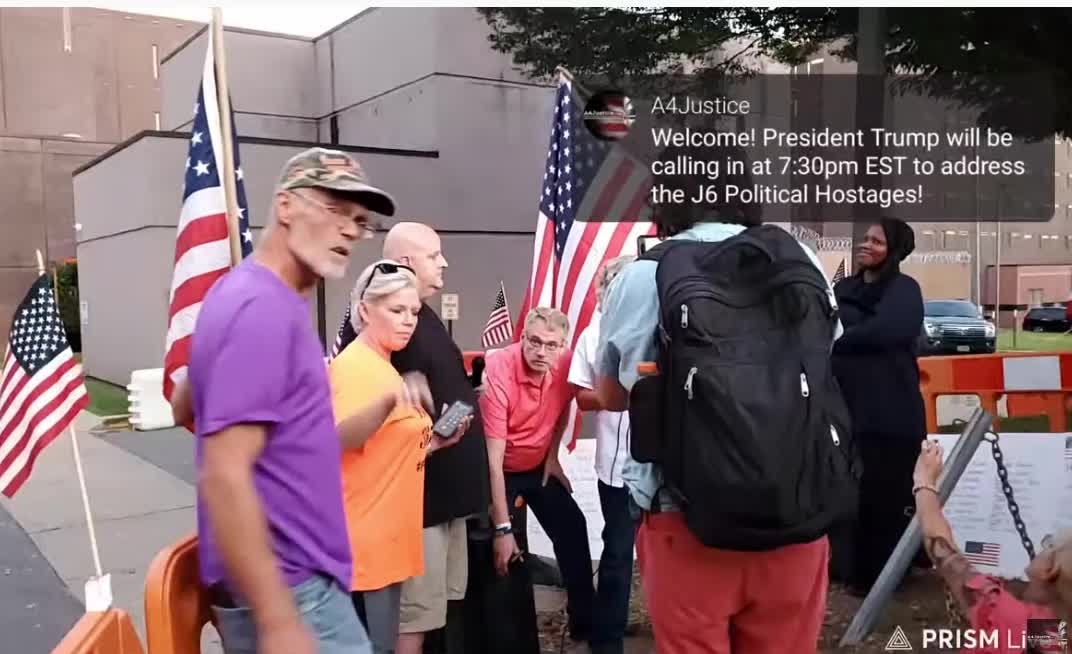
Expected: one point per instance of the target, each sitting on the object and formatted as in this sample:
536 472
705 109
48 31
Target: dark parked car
1046 319
955 327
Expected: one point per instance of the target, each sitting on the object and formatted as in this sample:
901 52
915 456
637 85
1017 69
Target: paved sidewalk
142 497
137 510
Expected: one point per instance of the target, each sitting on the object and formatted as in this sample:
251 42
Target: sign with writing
449 306
1040 475
580 468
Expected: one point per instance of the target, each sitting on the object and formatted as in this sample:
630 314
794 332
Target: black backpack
745 417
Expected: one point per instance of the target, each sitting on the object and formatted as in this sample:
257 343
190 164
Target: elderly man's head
418 246
322 205
544 338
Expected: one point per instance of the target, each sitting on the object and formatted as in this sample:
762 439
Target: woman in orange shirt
383 478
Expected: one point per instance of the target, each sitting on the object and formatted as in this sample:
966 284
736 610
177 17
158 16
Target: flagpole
78 462
230 186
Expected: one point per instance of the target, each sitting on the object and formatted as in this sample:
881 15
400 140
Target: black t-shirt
455 479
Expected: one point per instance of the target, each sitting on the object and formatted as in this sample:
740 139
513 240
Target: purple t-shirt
254 358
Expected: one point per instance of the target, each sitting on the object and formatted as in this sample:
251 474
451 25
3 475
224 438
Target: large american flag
497 328
593 207
41 385
202 245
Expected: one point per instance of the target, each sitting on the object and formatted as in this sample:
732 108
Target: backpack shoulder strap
657 252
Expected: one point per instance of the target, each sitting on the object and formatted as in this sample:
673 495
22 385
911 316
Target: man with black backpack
740 436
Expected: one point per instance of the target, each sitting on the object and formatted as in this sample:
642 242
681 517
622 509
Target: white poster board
1040 474
449 306
580 468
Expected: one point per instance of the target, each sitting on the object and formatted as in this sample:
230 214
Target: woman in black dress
874 361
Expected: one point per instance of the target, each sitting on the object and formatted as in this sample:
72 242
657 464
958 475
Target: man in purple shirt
274 552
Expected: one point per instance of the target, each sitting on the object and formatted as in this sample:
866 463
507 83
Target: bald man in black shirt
456 482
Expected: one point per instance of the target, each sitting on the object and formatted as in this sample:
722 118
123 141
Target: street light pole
870 99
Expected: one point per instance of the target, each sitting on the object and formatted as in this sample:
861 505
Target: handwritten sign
580 468
1040 475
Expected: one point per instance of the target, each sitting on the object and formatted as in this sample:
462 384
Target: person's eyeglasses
385 268
363 223
538 345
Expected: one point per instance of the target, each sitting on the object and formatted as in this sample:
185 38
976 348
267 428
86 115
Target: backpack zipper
684 316
804 390
688 382
834 436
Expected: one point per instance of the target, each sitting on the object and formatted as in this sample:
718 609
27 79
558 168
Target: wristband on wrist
919 487
503 529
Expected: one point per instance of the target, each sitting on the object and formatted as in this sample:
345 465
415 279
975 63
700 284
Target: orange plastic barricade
101 632
176 607
1033 383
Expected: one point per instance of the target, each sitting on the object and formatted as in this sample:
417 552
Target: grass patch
106 399
1032 342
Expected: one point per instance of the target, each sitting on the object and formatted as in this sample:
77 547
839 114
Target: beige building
437 117
73 82
450 127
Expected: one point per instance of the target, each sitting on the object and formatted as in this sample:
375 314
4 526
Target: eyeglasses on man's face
538 344
365 228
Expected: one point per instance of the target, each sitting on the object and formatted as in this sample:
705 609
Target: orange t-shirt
383 480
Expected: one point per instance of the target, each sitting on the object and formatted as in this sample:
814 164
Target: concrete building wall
116 287
940 276
491 139
36 210
272 78
72 83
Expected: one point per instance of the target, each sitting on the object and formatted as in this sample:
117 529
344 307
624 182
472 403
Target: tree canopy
981 57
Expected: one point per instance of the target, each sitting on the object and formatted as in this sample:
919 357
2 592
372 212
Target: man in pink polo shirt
524 406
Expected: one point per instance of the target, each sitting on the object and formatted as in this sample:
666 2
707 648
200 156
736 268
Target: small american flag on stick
345 336
839 274
498 328
41 385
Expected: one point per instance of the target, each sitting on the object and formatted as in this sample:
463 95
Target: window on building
156 120
156 62
1036 297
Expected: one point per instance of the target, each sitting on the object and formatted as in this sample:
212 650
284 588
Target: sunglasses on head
385 268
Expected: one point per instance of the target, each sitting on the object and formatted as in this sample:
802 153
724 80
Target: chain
1014 508
951 609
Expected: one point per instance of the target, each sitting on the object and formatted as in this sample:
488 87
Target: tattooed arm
950 563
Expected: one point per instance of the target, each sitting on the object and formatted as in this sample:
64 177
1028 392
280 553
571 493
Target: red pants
709 601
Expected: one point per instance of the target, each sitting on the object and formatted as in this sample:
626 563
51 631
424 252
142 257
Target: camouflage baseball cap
334 170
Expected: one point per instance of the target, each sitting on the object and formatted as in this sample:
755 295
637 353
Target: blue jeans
620 522
325 608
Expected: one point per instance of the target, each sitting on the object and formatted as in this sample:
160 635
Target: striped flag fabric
839 274
593 207
345 336
497 328
41 385
202 245
982 553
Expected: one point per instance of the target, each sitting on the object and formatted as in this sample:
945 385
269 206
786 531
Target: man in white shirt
619 514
